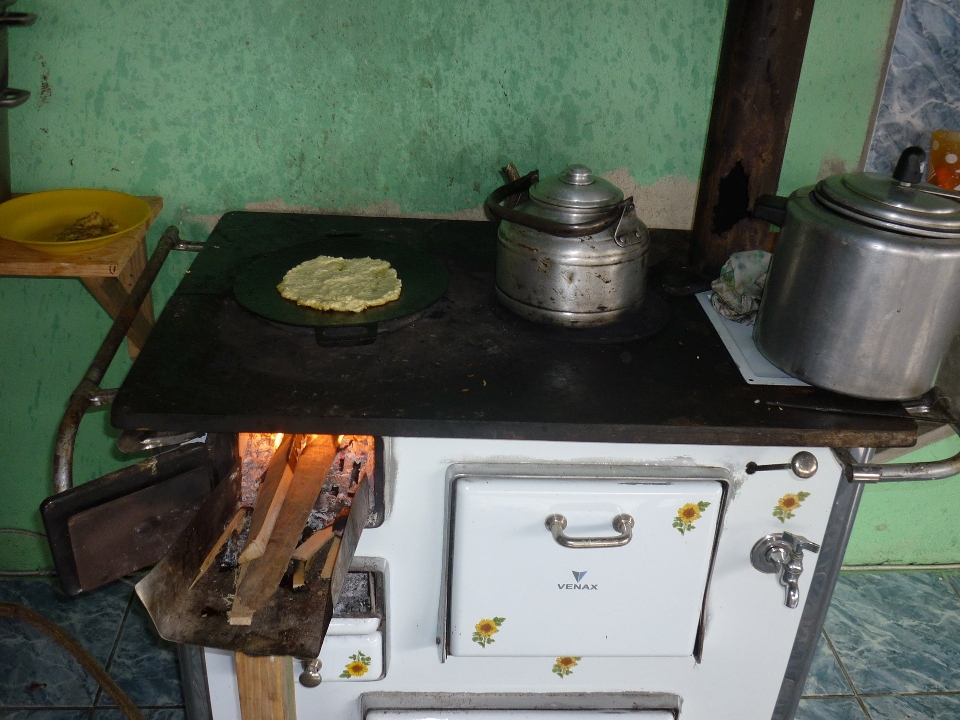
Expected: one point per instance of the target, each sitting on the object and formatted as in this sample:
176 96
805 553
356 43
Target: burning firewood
270 498
204 593
261 573
312 545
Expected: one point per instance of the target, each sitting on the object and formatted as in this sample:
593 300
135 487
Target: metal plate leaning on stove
424 278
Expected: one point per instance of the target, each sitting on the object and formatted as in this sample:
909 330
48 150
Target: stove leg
266 687
834 545
193 680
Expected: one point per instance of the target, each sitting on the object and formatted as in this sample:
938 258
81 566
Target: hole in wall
732 201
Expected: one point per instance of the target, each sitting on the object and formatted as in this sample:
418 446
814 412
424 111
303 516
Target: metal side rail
89 394
933 406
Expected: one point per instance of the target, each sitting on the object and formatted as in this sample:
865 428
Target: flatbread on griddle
346 285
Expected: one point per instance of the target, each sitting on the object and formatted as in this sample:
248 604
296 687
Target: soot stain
45 90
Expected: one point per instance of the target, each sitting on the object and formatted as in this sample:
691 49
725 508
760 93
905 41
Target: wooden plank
347 544
265 686
128 277
262 575
273 489
313 543
18 260
327 572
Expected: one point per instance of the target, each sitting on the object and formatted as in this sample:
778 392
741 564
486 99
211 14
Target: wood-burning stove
467 398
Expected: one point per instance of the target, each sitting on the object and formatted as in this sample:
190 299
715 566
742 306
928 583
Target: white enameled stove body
746 635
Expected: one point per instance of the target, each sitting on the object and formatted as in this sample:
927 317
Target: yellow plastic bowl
34 220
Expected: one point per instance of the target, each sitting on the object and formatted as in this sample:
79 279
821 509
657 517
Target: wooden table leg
111 295
128 277
266 687
112 292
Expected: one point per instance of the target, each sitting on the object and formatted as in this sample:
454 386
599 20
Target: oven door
117 524
566 568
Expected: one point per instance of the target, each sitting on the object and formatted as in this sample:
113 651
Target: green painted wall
379 107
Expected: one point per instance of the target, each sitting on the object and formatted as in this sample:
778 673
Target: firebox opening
355 459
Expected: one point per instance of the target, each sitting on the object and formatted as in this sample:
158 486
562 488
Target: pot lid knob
909 168
577 175
576 188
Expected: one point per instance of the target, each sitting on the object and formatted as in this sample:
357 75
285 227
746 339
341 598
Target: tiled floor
890 651
41 681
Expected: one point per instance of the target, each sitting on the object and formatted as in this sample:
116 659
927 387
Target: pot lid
886 201
576 187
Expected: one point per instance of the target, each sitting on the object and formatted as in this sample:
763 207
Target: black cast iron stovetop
461 369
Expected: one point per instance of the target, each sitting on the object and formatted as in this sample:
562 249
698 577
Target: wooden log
299 579
759 69
262 575
327 572
313 543
273 490
265 685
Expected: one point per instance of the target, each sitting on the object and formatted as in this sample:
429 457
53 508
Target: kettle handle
551 227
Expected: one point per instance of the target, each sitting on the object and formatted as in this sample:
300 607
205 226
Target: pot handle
551 227
772 208
933 405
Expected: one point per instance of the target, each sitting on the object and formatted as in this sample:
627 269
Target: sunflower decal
564 665
687 515
787 504
484 630
357 667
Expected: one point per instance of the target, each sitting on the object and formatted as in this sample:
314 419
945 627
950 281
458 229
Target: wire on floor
68 643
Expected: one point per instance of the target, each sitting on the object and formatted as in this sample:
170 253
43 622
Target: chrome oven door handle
622 523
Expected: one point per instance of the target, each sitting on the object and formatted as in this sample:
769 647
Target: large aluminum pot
572 252
863 293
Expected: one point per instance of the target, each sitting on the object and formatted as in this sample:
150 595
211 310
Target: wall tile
922 89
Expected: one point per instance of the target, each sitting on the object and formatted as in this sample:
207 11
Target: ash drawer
596 587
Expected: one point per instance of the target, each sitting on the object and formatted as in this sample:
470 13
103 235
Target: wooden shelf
109 273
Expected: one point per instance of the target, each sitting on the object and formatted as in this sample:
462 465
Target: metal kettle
571 252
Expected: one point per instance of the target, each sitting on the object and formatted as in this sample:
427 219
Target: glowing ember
256 449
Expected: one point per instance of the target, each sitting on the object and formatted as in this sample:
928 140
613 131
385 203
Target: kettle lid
900 202
577 188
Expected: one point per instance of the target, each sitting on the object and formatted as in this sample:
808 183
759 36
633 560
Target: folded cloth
736 293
